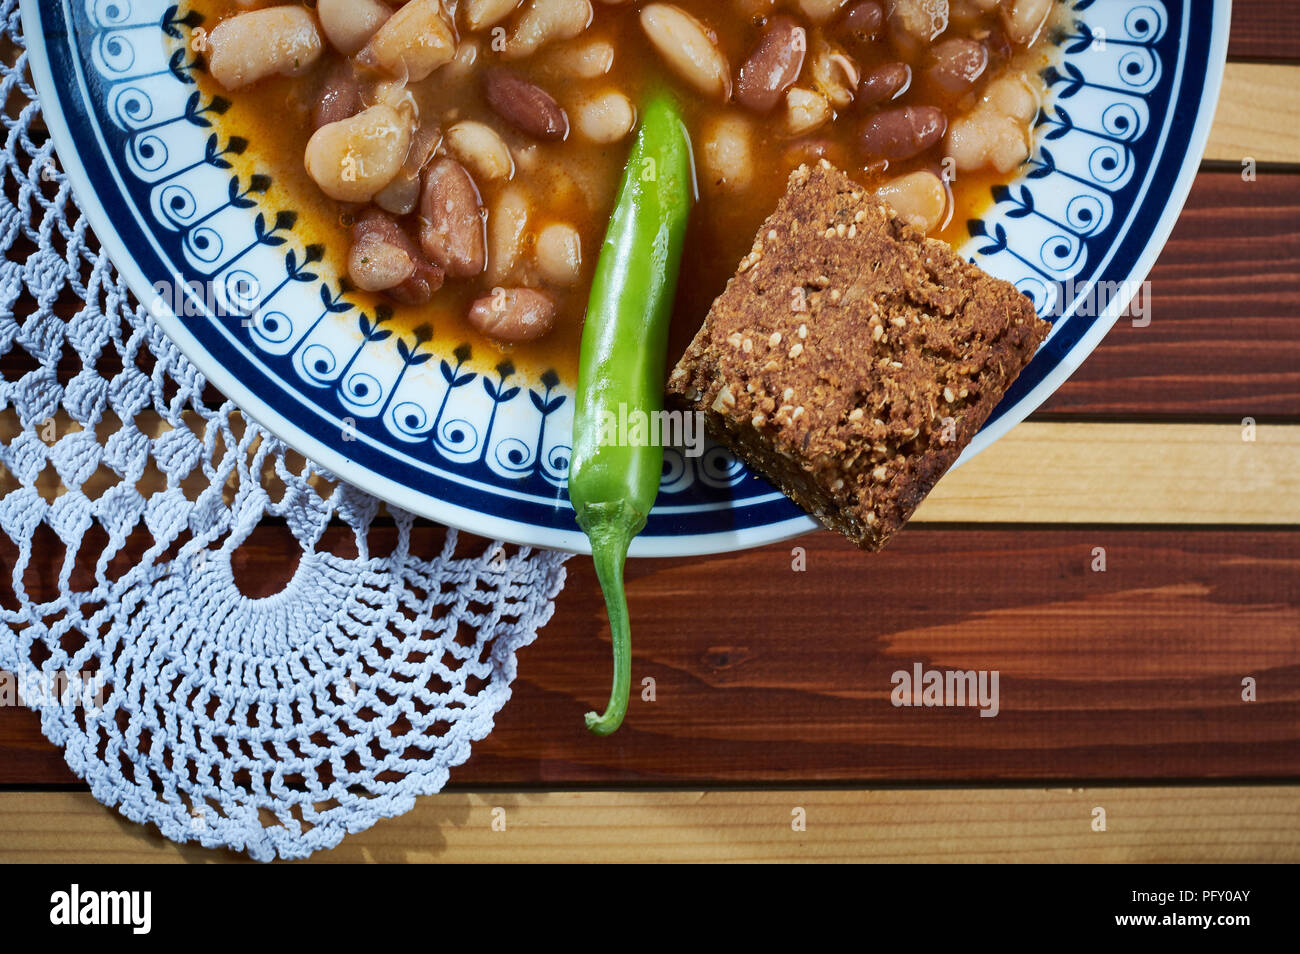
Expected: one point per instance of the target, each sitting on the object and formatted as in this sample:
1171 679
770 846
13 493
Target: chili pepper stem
611 528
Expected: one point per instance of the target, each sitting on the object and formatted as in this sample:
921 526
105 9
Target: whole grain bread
851 359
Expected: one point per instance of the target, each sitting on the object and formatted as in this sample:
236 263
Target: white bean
922 20
349 24
997 133
591 59
1023 19
918 198
559 254
819 11
686 46
354 159
481 14
805 110
506 224
606 117
414 42
481 150
251 46
726 154
835 74
545 21
463 63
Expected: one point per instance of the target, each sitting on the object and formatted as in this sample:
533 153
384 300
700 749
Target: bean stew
459 158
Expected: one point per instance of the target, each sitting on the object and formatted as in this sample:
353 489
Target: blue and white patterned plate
485 447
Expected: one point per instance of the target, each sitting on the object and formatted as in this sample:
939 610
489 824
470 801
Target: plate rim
511 531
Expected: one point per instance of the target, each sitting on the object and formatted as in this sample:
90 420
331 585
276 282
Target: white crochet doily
272 726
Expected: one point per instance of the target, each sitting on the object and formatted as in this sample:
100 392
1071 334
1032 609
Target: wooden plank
1222 338
1142 825
1258 114
764 673
1265 29
1083 472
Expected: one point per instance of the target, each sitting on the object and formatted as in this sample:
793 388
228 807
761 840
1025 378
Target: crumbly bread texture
850 359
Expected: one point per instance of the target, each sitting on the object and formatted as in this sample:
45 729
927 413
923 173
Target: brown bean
513 314
524 105
998 45
452 232
773 66
340 97
384 259
897 134
861 25
885 82
956 64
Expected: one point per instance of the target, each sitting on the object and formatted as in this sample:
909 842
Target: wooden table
1120 689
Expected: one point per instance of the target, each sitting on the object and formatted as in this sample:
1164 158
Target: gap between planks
1142 824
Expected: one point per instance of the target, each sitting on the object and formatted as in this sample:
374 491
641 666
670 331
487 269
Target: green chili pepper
621 369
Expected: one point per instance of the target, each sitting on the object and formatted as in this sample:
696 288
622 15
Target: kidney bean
513 314
340 98
956 64
773 66
884 83
384 259
524 105
902 133
998 45
861 25
452 232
